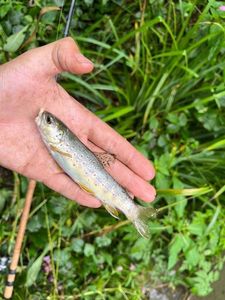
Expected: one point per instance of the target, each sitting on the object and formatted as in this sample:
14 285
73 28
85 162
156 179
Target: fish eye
48 119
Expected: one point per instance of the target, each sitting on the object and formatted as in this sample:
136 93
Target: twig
19 240
105 229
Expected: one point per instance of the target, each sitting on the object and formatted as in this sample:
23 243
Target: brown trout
87 170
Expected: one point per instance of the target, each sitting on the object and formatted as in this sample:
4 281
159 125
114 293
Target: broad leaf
15 40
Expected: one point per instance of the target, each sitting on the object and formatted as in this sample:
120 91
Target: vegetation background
159 81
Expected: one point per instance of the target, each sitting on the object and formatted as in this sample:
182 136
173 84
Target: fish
88 170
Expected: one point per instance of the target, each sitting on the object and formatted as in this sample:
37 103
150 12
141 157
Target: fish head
52 129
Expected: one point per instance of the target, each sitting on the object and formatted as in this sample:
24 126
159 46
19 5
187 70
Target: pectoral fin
105 158
60 170
112 210
55 149
84 188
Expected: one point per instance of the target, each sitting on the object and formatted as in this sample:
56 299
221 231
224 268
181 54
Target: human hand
28 84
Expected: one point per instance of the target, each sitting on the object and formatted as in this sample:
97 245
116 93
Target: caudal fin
141 221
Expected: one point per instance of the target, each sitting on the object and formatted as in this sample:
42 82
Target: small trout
87 170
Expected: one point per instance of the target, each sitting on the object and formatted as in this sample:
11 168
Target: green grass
159 81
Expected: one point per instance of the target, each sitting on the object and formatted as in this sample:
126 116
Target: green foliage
35 268
158 80
15 40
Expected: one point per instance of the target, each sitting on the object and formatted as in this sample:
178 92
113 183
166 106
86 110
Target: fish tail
142 218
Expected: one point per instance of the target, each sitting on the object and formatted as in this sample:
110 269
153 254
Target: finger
62 184
60 56
39 165
114 143
66 56
81 121
132 182
128 179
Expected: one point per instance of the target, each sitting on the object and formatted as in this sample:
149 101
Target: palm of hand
28 84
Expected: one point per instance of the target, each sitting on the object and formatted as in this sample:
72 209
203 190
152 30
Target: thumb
60 56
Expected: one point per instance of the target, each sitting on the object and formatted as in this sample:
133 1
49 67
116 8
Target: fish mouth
39 117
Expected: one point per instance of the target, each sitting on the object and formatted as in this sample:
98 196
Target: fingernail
150 193
151 172
82 59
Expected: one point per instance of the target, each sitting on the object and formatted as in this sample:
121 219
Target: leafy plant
158 80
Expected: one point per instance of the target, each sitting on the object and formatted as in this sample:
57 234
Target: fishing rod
9 286
19 240
69 18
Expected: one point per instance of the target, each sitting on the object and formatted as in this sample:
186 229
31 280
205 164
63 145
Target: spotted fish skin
86 170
